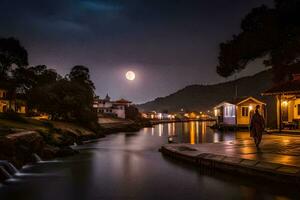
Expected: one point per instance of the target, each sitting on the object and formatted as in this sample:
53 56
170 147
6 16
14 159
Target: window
299 109
229 111
245 111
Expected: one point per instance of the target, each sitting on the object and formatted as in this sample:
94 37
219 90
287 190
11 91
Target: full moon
130 75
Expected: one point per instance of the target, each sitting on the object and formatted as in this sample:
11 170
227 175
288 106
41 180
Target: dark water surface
129 166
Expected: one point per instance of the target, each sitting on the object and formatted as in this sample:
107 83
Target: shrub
13 116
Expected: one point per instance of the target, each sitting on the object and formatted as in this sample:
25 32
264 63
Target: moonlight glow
130 75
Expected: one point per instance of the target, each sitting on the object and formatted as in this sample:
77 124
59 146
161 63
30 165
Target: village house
158 116
238 112
287 103
18 105
149 115
113 108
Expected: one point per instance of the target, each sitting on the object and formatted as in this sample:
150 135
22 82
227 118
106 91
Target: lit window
245 111
229 111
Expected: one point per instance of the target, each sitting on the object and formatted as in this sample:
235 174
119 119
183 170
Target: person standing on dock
257 126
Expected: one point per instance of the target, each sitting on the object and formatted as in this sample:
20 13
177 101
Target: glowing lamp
216 112
284 103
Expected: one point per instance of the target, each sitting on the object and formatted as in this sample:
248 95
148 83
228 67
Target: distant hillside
203 97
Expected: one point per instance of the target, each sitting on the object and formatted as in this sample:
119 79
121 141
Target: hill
204 97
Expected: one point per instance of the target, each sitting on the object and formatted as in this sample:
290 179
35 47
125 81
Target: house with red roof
111 108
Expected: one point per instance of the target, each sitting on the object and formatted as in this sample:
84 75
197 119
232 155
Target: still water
129 166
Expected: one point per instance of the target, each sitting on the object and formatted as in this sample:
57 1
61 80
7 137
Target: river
129 166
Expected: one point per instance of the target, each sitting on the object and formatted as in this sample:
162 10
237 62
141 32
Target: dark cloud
170 43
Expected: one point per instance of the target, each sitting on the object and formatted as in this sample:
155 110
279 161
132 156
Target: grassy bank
21 137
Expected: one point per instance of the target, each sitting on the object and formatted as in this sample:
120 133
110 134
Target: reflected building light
160 130
146 130
152 131
285 141
173 128
185 128
203 127
197 132
203 131
169 130
216 137
192 132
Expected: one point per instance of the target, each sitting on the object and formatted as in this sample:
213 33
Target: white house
114 108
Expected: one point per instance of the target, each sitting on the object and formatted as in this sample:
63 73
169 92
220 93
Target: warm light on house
285 103
171 116
250 107
216 112
288 103
236 112
193 115
159 116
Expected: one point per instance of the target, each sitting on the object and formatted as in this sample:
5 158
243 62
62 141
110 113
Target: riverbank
278 158
23 140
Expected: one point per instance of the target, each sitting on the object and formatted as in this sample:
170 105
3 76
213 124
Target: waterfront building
18 105
238 112
287 103
113 108
149 115
158 116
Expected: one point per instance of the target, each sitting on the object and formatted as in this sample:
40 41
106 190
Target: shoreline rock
19 148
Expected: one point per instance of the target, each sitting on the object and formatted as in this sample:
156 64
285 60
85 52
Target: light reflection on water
195 132
129 166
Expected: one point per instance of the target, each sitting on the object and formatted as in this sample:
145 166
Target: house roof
239 100
289 87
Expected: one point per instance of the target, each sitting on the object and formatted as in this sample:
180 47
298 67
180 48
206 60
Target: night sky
168 43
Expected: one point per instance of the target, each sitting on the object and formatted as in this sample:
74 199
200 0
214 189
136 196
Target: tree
131 112
81 74
68 99
31 82
270 33
12 53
